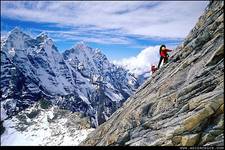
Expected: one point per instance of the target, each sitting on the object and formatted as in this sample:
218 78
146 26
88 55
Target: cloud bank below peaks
142 62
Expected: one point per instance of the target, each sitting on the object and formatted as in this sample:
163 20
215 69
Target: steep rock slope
182 104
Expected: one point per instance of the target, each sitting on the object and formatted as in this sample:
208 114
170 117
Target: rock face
81 79
182 104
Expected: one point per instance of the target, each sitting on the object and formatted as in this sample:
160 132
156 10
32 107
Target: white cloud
167 19
91 36
142 62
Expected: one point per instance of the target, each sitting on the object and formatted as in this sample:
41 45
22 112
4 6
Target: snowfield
21 130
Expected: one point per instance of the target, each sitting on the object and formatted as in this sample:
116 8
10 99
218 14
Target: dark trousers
165 60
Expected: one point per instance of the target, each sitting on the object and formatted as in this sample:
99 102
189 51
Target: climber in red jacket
163 55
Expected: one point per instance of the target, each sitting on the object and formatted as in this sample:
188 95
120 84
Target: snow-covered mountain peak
45 42
43 36
16 30
80 50
82 46
17 39
33 68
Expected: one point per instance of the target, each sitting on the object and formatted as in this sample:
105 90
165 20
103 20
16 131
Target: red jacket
163 53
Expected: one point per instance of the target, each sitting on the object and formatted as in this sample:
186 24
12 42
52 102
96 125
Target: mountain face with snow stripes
81 79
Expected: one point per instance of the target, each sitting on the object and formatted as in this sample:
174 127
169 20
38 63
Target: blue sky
121 29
